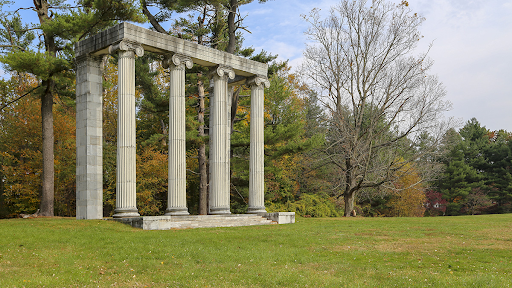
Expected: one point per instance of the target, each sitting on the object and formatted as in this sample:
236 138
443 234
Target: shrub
309 205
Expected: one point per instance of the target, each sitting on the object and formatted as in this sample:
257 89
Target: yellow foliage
151 182
21 145
409 194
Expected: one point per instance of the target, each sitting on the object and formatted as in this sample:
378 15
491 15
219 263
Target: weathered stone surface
219 142
89 151
126 205
256 154
280 217
194 221
129 40
177 198
157 42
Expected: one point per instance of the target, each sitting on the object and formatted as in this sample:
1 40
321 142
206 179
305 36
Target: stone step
195 221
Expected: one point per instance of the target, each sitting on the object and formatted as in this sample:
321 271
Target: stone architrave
219 145
126 155
176 197
89 153
256 154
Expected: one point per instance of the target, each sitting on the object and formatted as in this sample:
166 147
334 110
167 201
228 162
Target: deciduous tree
435 204
408 196
475 202
379 95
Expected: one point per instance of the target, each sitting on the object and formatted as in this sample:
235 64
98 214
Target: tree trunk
201 152
3 208
164 132
235 95
47 189
233 6
349 204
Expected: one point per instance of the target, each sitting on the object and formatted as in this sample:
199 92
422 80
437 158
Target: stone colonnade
89 133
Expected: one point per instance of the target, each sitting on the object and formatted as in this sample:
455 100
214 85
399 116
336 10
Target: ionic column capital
177 60
221 71
125 45
258 81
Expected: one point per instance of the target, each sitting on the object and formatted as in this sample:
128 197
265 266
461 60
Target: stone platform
205 221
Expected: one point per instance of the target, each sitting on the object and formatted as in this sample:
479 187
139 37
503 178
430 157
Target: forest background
473 175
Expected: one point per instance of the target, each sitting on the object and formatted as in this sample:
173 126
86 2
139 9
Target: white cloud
472 40
261 11
472 58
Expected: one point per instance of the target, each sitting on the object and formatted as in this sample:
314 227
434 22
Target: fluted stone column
176 197
126 170
219 145
256 154
89 153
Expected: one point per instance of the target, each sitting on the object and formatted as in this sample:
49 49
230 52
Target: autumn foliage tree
408 196
20 146
435 205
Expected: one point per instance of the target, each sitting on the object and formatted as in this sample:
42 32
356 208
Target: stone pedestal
219 145
89 153
126 155
176 197
256 154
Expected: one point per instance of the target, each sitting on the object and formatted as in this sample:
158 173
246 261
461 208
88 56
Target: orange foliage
21 144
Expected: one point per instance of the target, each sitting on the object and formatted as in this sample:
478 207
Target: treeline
373 147
477 177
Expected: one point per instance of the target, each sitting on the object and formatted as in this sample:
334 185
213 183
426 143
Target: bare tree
384 109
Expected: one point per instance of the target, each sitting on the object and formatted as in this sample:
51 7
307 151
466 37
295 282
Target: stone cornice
163 44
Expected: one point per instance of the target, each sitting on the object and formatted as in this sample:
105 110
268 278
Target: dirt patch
410 245
493 244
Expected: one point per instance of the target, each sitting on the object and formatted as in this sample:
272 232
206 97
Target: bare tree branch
20 97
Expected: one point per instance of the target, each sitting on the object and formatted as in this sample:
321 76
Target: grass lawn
472 251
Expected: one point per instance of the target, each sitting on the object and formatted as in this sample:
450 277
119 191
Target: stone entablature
128 41
162 44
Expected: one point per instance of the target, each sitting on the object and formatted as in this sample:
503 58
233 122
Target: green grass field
472 251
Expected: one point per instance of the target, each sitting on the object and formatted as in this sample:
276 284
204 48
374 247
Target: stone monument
128 41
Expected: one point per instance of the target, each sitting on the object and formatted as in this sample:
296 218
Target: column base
126 213
176 211
256 210
220 211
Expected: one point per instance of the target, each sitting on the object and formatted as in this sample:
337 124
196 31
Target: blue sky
472 47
